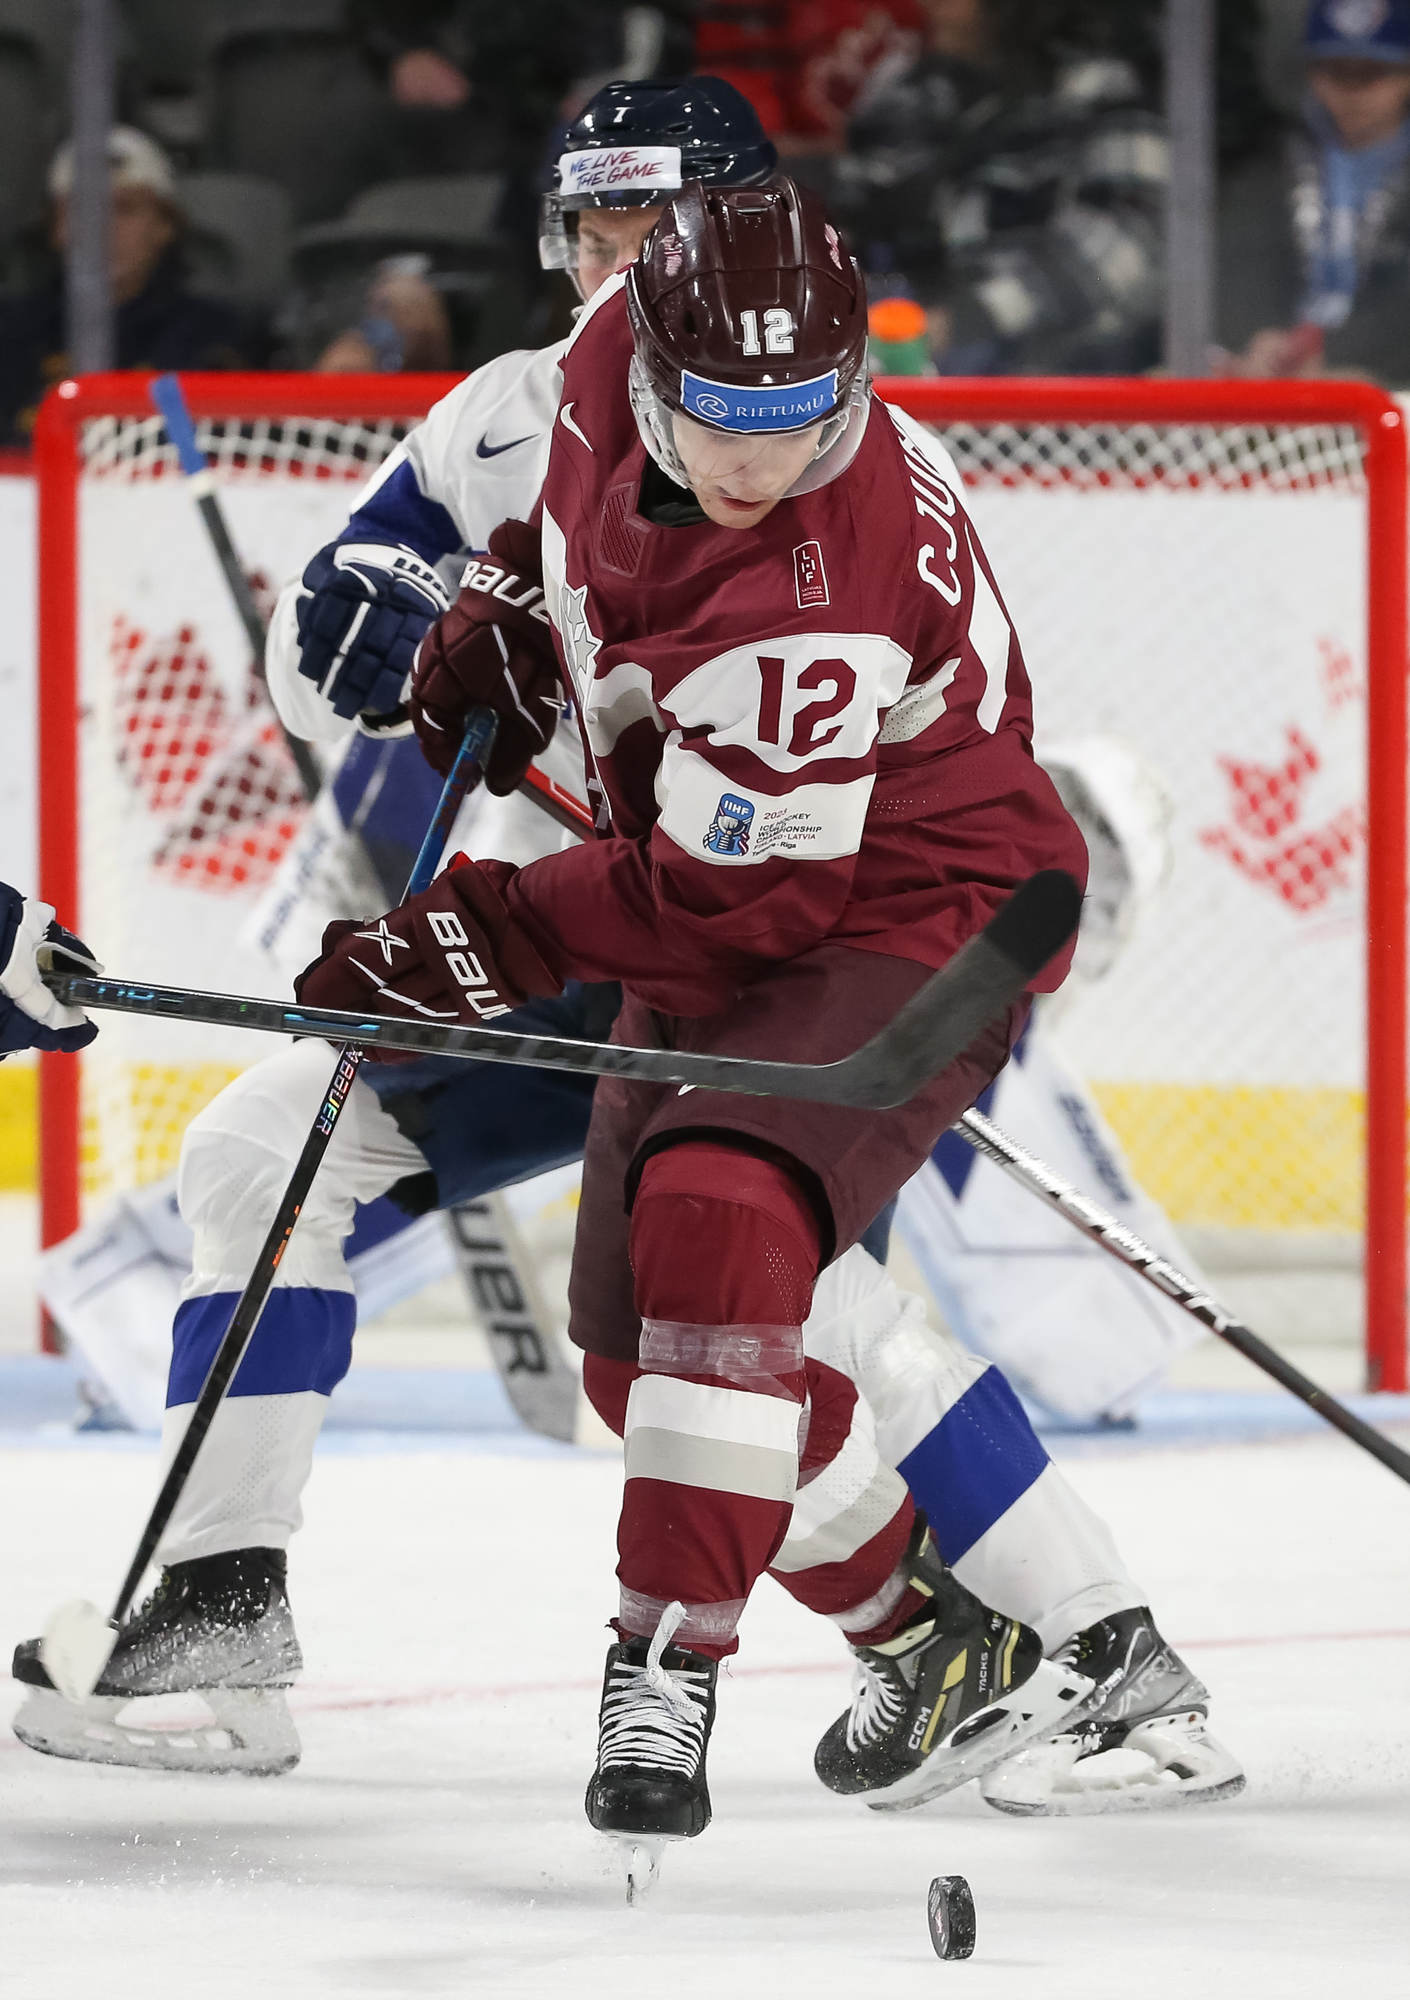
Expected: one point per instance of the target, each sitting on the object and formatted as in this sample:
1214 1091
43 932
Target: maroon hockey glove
451 955
491 649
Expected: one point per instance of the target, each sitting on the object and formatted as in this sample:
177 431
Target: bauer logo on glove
451 954
493 649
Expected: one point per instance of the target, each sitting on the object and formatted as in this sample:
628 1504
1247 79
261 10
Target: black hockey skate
658 1707
1141 1739
218 1630
951 1695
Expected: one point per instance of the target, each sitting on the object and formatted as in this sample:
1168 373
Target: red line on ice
330 1703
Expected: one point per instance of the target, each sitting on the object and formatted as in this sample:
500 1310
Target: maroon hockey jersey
815 729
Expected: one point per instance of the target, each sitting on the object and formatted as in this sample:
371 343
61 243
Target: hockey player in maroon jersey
809 722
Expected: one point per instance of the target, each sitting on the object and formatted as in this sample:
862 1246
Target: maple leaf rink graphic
214 773
1265 838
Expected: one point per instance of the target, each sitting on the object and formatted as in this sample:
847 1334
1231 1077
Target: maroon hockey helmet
749 316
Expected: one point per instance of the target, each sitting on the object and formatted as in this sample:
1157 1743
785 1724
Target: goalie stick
78 1639
936 1025
1102 1228
168 399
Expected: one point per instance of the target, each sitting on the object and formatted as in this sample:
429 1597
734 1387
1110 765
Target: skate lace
876 1704
654 1714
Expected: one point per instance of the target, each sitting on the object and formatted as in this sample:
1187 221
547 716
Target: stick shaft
253 1299
167 395
1099 1226
934 1027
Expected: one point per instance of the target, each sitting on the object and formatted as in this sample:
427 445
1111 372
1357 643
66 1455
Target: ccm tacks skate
218 1630
1141 1739
658 1707
945 1699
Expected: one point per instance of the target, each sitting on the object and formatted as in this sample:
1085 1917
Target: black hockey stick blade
1104 1229
936 1025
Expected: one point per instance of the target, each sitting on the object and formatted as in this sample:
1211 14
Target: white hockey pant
236 1161
1005 1518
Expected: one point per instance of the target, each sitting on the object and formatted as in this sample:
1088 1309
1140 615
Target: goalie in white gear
1005 1518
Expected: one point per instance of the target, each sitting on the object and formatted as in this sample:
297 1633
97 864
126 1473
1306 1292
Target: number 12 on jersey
806 733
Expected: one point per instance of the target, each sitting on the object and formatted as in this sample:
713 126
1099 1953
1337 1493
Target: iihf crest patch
728 832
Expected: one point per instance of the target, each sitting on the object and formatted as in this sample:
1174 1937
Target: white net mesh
1193 590
1198 593
189 795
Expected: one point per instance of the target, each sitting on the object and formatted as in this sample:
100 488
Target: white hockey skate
954 1693
1141 1741
195 1682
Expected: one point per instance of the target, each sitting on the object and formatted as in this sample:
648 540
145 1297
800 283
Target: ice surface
451 1601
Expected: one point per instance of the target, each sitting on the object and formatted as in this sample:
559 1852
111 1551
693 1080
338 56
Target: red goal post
1217 570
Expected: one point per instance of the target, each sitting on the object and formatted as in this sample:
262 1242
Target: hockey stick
531 1355
78 1639
1103 1229
169 400
936 1025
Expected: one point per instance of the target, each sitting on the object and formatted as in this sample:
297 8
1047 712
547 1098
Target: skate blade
249 1731
639 1857
76 1646
1169 1761
1033 1709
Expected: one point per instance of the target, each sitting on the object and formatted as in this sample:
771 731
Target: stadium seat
33 66
447 223
239 238
290 98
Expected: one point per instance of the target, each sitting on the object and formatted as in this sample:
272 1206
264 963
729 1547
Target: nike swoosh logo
486 450
565 417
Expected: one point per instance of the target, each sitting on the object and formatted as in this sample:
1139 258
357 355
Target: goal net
1212 575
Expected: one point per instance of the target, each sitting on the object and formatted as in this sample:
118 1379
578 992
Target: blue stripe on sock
303 1341
981 1457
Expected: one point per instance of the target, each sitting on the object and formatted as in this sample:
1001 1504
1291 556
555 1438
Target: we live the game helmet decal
748 315
634 145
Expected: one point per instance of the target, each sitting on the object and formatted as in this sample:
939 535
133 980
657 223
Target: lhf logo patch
809 576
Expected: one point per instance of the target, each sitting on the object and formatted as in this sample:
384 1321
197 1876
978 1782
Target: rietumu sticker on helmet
605 170
787 406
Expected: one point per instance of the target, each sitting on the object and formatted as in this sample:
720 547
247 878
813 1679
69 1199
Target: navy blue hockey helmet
634 145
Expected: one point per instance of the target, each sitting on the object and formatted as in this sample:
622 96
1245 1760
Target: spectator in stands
1314 268
805 64
158 323
1012 178
404 325
477 84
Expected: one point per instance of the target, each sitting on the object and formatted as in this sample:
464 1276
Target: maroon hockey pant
724 1249
703 1223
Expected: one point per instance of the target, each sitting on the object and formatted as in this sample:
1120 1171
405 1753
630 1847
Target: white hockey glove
362 610
30 1016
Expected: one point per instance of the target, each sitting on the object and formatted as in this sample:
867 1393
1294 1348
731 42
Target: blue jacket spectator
1315 234
158 322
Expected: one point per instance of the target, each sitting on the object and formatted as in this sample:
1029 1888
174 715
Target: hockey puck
950 1909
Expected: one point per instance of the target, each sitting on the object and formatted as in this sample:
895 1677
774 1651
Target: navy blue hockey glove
363 610
30 1016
